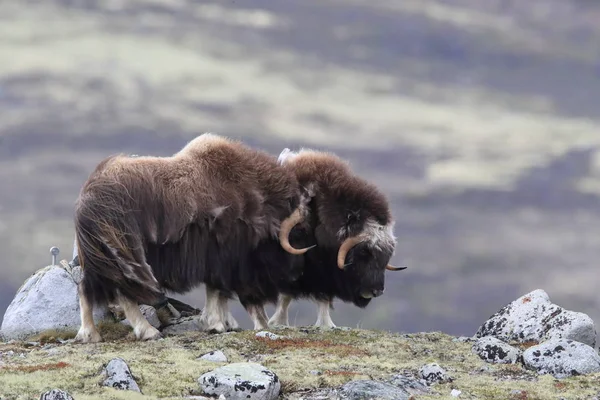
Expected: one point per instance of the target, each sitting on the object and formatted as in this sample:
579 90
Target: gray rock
47 300
150 314
56 394
562 358
410 384
241 381
496 351
267 335
366 390
315 372
533 317
433 373
119 376
187 324
455 393
214 356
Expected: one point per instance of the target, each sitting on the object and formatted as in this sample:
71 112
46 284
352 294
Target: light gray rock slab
214 356
56 394
410 384
495 351
533 317
241 381
119 376
268 335
562 358
366 390
433 373
186 324
47 300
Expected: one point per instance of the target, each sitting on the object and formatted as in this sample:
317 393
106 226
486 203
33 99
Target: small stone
496 351
410 384
188 324
455 393
463 339
433 373
562 358
267 335
241 381
365 389
56 394
214 356
533 317
315 372
119 376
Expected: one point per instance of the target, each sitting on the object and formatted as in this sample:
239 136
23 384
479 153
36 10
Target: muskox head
351 224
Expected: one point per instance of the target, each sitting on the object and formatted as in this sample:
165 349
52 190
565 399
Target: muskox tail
112 259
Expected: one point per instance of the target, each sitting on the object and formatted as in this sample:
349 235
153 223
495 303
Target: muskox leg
280 317
230 323
258 315
323 318
141 327
88 333
213 317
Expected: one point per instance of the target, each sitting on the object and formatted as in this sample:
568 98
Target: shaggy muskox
350 222
216 212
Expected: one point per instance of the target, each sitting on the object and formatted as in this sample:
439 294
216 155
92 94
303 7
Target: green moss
170 368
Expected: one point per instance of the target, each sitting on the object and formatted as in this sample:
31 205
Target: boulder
366 390
533 317
241 381
56 394
185 324
47 300
119 376
410 384
433 373
562 358
214 356
495 351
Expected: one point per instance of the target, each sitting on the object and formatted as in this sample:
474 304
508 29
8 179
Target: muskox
350 222
217 212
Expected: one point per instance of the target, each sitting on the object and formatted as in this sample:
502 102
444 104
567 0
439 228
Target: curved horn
284 232
390 267
345 248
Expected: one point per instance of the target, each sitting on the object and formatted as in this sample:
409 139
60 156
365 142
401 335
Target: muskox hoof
88 336
232 325
150 333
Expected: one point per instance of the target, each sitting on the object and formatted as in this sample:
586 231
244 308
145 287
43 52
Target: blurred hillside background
479 119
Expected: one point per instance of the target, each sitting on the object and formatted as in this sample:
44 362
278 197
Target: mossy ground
170 368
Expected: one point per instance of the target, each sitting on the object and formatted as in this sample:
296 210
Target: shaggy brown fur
145 224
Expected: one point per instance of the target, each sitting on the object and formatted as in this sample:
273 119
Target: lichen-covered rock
47 300
496 351
410 384
214 356
433 373
366 390
56 394
187 324
267 335
241 381
562 358
119 376
533 317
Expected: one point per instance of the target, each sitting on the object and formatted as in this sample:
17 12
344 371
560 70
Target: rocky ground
530 349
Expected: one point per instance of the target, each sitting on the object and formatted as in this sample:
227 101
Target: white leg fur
230 323
323 317
88 333
213 318
258 316
280 317
141 327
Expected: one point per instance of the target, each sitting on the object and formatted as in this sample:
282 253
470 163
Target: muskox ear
308 190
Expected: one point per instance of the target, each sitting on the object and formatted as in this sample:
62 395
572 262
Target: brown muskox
350 222
204 215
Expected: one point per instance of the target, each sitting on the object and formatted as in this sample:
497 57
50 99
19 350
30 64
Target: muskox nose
377 292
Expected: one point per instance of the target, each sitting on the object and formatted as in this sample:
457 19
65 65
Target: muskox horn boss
284 233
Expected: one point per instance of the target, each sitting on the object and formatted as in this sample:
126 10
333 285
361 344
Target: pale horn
345 248
284 233
390 267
